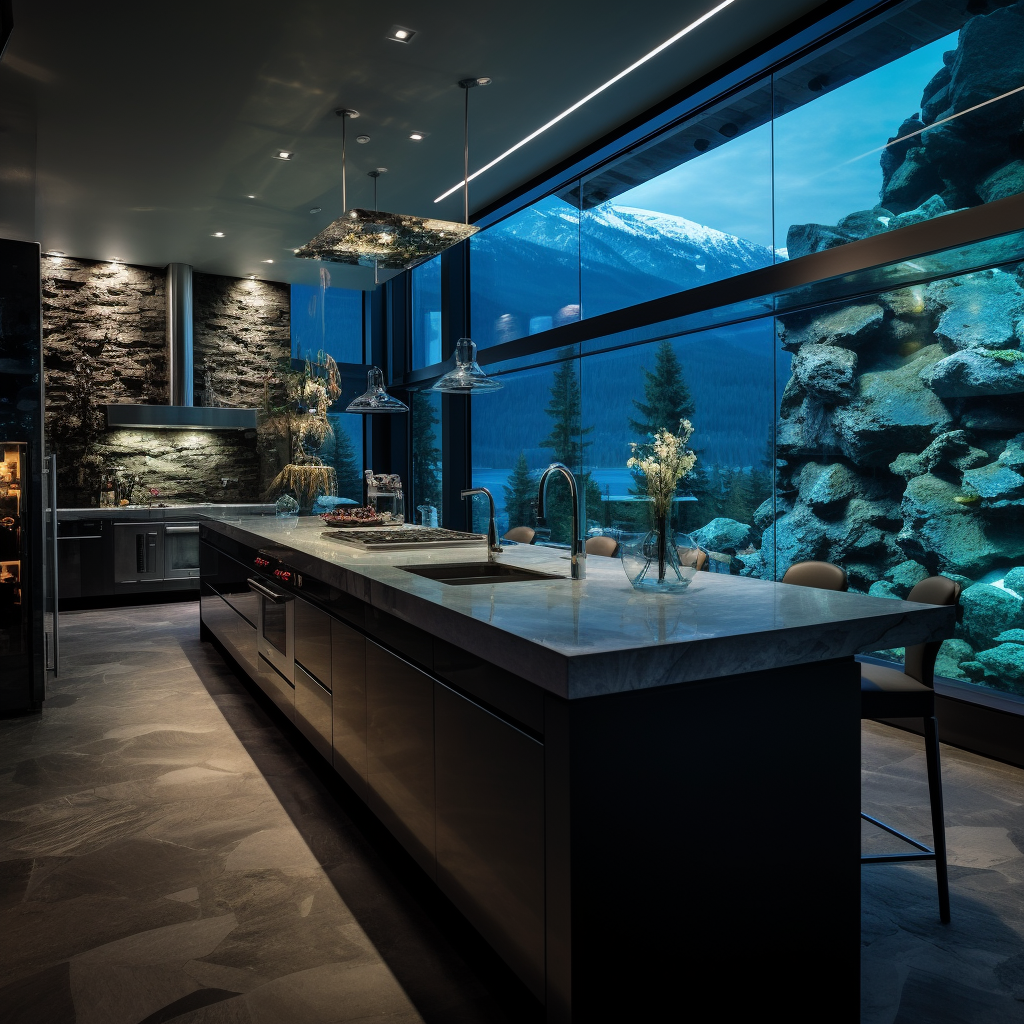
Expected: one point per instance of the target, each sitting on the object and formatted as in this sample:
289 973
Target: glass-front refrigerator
23 512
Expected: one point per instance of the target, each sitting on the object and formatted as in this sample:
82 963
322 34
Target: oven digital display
262 563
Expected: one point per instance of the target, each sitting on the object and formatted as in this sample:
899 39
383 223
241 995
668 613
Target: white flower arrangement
664 461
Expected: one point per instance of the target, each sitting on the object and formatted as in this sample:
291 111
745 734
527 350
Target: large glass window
426 314
425 408
525 272
693 207
326 319
344 451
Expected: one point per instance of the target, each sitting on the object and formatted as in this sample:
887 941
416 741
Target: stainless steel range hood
179 413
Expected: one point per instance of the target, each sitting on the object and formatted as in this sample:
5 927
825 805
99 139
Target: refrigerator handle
53 561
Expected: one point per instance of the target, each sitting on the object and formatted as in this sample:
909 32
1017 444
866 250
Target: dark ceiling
137 130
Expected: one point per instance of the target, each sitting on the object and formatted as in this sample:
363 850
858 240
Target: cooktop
396 540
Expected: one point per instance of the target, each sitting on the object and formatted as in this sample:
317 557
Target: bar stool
819 575
886 692
521 534
606 546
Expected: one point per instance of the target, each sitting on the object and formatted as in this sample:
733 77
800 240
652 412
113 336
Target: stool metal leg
931 749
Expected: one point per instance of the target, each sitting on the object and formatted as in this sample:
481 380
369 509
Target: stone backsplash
104 340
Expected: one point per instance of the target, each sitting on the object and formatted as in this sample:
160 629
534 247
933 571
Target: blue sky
826 158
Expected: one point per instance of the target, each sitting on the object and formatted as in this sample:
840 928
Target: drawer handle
182 529
265 591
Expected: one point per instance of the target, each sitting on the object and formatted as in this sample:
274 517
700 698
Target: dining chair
886 692
693 558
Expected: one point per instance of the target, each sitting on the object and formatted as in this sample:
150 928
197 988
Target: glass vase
650 559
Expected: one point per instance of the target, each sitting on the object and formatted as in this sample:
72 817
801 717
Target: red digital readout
262 562
282 574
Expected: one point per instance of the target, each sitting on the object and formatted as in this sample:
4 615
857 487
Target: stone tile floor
170 852
914 969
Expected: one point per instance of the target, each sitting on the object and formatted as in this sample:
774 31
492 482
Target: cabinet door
276 687
490 829
234 632
400 751
138 552
313 711
348 687
313 641
228 577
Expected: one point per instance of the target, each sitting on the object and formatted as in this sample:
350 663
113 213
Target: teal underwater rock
1004 663
974 374
828 372
1011 636
952 654
981 310
723 535
990 611
1014 579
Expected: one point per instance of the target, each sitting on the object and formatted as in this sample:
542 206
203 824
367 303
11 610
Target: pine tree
568 446
521 495
340 453
667 397
426 455
667 400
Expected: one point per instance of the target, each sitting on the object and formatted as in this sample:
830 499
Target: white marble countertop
208 508
595 636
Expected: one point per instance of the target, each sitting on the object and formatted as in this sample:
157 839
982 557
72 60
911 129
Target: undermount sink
478 572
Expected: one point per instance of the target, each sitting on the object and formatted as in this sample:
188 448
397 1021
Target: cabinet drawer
348 675
233 631
490 829
313 711
276 687
400 751
313 641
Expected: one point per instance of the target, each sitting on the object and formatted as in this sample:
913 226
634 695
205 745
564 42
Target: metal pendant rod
344 195
465 161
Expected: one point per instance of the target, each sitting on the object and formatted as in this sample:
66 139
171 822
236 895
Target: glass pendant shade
466 377
390 241
375 398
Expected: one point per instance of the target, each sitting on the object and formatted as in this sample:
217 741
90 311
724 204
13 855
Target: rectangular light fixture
401 34
389 241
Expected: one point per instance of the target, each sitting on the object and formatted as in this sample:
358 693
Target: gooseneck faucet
577 552
493 547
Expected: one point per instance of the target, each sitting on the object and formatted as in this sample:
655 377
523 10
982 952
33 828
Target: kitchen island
643 803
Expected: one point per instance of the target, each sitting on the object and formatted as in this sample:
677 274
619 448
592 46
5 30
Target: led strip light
586 99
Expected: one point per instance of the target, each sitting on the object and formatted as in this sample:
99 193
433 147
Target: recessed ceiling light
252 277
250 197
283 154
417 136
295 250
401 34
316 209
218 234
268 261
362 139
590 95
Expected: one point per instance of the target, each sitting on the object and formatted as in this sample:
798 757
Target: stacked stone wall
105 342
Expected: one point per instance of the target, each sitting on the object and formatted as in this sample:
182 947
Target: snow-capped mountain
527 270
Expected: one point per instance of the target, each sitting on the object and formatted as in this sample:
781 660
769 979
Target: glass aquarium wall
525 272
900 440
426 314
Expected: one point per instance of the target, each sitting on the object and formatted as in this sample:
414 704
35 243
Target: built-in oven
275 623
181 551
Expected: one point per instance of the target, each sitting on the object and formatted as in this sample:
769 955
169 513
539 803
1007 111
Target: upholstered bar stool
521 534
820 575
606 546
886 692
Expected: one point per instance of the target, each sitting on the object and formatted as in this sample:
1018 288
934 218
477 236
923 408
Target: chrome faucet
493 547
577 552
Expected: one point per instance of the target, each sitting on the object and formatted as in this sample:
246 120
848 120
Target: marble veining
596 636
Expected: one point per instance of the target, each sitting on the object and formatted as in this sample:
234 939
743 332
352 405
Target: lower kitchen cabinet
313 711
230 628
400 751
313 641
276 687
348 689
489 785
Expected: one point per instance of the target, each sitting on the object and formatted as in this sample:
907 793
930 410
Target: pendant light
466 377
375 398
389 241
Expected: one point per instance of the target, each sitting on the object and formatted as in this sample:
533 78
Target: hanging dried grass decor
307 475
